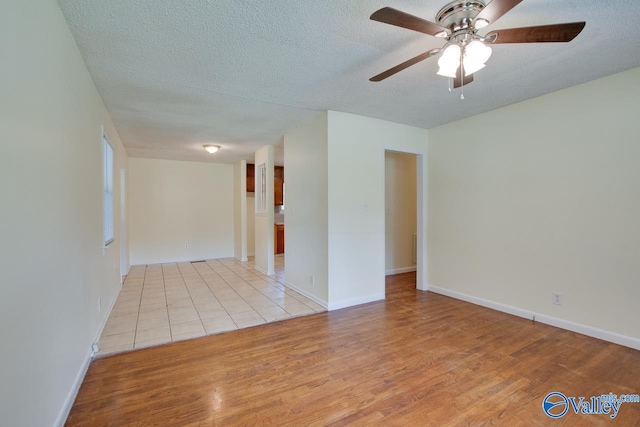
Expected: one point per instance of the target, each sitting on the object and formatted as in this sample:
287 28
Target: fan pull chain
462 73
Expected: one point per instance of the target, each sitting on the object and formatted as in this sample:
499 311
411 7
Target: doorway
401 212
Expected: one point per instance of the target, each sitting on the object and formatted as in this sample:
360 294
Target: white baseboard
263 271
77 382
107 314
71 397
543 318
306 294
339 304
354 301
193 258
245 259
400 270
75 387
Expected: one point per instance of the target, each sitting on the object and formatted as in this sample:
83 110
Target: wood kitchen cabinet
278 183
278 238
251 178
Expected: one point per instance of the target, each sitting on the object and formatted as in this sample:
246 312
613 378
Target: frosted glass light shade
470 68
449 61
476 54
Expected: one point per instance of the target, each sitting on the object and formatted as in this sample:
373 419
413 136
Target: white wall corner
543 318
262 270
422 286
107 313
73 392
306 294
400 270
264 233
337 305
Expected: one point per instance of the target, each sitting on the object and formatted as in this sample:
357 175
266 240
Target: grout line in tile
201 280
164 283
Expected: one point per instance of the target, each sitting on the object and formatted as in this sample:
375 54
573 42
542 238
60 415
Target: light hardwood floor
415 359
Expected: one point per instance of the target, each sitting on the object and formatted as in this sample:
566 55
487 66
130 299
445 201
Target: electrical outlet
557 298
312 280
186 246
99 304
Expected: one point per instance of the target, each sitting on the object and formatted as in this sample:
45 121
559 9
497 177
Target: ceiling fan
466 52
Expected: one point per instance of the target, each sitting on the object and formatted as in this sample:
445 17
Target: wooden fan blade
458 81
494 10
391 16
406 64
541 34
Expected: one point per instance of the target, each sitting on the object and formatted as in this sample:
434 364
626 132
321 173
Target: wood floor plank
416 358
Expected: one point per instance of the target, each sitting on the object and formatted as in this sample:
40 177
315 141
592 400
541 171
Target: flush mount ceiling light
466 52
211 148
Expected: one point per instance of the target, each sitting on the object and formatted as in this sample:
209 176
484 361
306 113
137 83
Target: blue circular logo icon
555 404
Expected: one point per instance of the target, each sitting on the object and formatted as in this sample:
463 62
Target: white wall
356 153
173 204
52 262
122 215
336 231
264 250
541 197
400 211
251 224
306 226
240 209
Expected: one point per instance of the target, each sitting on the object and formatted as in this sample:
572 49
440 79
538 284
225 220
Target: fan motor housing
459 15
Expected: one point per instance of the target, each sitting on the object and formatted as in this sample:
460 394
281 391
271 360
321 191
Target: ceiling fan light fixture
449 61
472 68
211 148
478 51
450 72
458 23
481 23
476 54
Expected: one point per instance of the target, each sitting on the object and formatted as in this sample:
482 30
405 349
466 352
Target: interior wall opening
401 213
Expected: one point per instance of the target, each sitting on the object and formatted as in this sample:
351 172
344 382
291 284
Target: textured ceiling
177 74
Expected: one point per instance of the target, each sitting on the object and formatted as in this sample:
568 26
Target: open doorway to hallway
278 221
401 235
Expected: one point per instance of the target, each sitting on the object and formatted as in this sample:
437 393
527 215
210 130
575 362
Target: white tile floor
176 301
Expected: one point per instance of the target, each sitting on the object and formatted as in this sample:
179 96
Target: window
107 192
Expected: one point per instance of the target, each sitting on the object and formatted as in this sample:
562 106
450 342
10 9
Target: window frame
108 189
